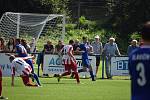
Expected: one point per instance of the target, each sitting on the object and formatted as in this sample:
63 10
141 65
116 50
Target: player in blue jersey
84 49
139 67
22 52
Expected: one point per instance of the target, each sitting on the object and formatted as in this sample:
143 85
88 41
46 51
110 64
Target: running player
69 61
139 67
84 49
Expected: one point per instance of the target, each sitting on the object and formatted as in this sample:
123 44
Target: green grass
67 89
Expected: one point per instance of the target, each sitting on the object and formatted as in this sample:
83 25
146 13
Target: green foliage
58 6
86 24
135 36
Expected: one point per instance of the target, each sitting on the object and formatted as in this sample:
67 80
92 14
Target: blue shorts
86 63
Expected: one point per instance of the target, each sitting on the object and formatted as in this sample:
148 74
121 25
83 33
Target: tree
126 17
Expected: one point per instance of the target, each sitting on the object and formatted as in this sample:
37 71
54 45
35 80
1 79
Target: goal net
21 25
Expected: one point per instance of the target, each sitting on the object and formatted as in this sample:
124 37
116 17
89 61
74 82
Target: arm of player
79 51
29 57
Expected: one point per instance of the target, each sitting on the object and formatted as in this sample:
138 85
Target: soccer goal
29 24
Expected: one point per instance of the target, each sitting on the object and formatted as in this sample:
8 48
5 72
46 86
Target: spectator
33 46
10 46
76 45
26 45
90 48
40 58
139 67
59 46
49 48
110 50
2 45
97 49
132 47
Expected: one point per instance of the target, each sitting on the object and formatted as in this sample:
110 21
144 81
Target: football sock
37 79
92 76
77 77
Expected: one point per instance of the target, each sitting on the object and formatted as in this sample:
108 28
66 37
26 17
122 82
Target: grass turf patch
67 89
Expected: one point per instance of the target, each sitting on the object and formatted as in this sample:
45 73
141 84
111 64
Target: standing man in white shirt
97 50
110 50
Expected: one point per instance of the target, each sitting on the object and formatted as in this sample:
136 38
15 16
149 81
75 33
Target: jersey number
142 79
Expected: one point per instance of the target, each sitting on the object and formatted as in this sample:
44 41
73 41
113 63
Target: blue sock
37 79
92 76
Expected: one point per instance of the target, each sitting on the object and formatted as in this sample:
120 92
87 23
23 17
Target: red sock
77 77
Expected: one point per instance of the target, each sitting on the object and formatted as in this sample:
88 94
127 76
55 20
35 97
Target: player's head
145 32
17 41
11 58
97 38
71 42
134 42
60 42
111 40
85 39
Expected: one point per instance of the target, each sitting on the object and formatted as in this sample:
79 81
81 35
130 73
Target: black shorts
97 60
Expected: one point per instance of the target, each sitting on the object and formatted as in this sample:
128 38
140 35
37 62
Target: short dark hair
145 31
18 40
71 42
12 57
84 37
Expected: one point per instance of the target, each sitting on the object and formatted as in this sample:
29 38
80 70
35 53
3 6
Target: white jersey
67 59
21 67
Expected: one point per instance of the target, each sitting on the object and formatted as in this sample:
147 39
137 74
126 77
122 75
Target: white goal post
23 24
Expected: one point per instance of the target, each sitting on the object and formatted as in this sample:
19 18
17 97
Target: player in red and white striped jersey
69 61
24 70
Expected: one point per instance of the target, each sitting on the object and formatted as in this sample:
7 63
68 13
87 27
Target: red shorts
27 81
72 66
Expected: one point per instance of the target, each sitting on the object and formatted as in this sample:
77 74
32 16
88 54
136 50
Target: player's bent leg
27 81
74 68
37 79
77 77
67 72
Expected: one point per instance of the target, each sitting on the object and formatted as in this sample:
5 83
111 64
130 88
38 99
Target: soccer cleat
94 79
59 77
39 85
5 98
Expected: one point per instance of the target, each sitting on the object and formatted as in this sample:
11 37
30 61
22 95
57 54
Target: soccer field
67 89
